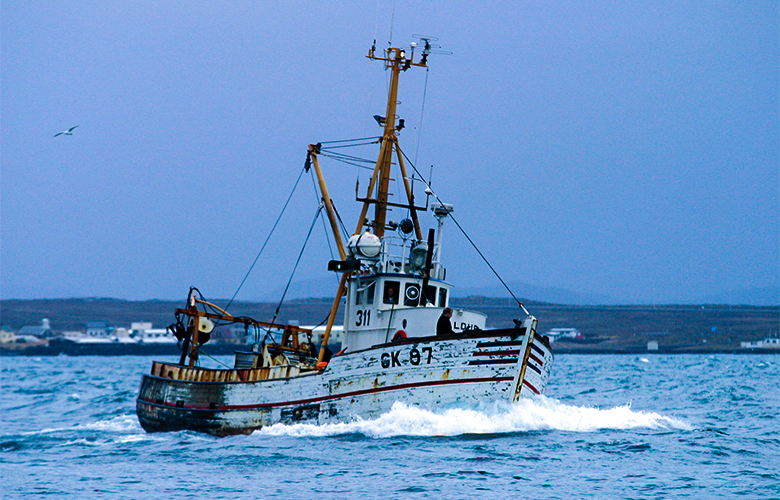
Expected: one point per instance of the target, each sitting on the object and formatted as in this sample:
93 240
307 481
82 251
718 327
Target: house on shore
767 343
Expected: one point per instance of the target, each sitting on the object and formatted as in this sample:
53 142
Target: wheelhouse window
442 297
430 295
391 291
370 293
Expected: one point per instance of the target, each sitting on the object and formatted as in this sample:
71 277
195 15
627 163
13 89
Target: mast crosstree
396 61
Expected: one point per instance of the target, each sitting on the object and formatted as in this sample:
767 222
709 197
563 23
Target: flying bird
67 132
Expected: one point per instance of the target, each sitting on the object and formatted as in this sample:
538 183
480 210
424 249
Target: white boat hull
431 372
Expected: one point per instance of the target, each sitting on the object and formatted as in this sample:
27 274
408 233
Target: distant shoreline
701 329
229 349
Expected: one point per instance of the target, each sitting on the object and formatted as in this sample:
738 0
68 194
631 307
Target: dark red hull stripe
332 397
530 386
536 359
497 353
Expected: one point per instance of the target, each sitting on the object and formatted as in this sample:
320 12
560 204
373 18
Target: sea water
610 426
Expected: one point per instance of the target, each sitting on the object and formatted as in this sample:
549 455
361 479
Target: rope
266 240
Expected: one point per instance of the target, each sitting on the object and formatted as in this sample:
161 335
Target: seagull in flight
66 132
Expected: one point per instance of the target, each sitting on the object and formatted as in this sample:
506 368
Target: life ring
399 335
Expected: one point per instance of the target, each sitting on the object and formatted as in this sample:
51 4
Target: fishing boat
401 340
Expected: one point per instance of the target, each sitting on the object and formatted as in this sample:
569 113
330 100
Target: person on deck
443 326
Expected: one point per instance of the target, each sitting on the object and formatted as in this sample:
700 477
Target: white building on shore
767 343
563 333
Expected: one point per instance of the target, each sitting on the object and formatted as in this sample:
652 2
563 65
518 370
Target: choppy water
610 427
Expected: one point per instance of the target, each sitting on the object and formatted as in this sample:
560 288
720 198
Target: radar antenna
428 47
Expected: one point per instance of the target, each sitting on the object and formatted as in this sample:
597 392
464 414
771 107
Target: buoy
399 335
321 365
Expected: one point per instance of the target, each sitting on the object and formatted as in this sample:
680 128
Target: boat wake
529 414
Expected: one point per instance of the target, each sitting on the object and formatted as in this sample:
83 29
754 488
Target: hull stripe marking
332 397
534 368
530 386
498 353
503 361
500 343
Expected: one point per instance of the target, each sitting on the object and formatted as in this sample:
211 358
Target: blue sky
624 151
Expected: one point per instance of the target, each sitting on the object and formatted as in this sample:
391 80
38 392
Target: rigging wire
366 143
365 166
338 156
351 140
422 111
266 239
324 227
392 21
311 227
376 20
468 238
341 222
327 317
345 234
201 351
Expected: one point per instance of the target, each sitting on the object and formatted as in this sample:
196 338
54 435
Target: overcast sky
622 150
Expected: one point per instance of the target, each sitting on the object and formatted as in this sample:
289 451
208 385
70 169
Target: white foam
122 423
133 438
529 414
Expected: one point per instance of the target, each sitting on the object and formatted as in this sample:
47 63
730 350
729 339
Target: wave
121 424
527 415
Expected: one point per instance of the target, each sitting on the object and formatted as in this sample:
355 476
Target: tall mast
395 58
396 61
